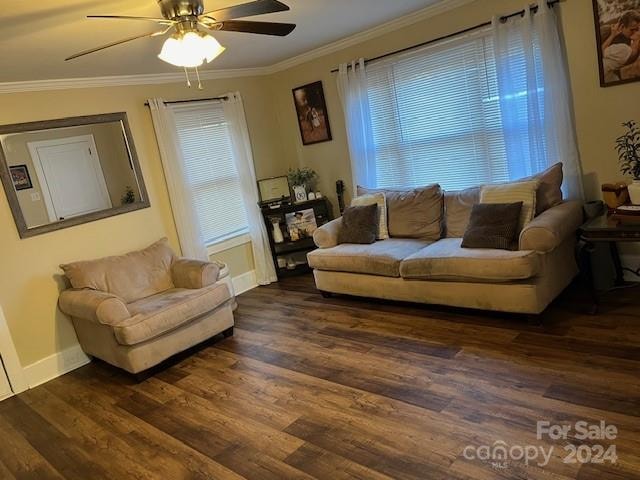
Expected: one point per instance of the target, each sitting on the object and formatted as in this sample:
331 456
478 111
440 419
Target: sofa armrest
327 235
194 274
94 306
549 229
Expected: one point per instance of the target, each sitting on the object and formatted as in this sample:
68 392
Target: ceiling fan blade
258 7
124 17
261 28
119 42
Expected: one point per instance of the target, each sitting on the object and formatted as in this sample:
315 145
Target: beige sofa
136 310
441 272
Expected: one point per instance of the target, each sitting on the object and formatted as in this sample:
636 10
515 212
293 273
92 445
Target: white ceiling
36 35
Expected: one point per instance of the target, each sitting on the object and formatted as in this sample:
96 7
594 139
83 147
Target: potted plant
628 147
300 179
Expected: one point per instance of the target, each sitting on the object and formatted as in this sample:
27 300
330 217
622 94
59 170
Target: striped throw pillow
524 192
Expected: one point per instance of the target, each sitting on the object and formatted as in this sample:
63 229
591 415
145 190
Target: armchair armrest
549 229
194 274
327 235
94 306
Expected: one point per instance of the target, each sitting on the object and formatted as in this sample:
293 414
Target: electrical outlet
35 197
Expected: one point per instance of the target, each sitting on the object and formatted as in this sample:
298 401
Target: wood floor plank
341 389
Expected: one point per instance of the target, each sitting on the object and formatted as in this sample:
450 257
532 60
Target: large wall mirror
61 173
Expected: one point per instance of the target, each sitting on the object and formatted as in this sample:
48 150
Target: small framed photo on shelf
313 118
20 177
274 189
301 224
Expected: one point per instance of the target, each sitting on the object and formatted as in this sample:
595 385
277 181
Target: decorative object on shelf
313 118
20 177
617 24
311 196
340 193
291 264
302 223
628 148
129 196
191 43
301 179
278 237
318 195
282 262
615 194
274 189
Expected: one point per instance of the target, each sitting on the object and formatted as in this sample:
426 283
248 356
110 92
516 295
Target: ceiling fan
190 43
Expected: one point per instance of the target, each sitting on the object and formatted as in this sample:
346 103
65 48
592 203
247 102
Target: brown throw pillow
359 225
549 192
493 225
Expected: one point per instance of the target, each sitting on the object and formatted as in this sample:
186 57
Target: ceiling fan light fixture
190 49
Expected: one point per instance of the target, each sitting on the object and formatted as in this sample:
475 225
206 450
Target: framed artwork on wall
618 33
313 118
20 177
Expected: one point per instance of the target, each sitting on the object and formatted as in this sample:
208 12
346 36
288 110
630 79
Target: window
210 170
436 116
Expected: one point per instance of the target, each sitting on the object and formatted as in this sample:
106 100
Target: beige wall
599 112
30 279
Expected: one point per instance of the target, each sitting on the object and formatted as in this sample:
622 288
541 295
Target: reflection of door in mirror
70 175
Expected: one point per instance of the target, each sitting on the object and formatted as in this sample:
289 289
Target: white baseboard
245 282
55 365
632 261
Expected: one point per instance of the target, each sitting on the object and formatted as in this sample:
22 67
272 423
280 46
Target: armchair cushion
158 314
549 229
131 277
98 307
194 274
327 235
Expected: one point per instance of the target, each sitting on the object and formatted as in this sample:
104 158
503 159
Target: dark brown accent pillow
359 225
493 225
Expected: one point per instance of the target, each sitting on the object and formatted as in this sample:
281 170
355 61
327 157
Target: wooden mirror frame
5 175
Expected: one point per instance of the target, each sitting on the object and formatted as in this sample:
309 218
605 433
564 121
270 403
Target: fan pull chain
198 76
186 74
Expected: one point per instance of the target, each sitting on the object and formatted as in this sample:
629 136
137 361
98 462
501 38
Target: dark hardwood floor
343 388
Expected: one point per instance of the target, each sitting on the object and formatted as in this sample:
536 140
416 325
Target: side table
605 229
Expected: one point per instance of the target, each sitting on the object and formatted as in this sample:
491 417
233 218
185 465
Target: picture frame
617 24
301 224
20 177
313 118
274 189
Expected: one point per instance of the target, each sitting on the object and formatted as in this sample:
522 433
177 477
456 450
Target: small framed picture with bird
313 118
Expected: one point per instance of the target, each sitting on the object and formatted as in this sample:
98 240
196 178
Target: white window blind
210 170
436 116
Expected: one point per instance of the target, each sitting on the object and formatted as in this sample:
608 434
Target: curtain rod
533 8
212 99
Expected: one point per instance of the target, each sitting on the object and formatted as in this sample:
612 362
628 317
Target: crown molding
361 37
123 80
178 77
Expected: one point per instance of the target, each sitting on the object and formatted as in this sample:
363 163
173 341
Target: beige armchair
136 310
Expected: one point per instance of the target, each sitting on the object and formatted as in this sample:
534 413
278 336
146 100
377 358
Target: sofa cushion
493 225
549 192
447 260
158 314
457 210
131 277
413 213
524 192
381 201
359 225
380 258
